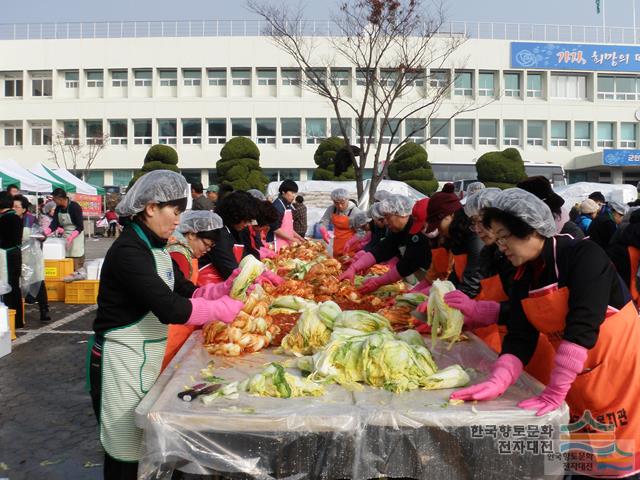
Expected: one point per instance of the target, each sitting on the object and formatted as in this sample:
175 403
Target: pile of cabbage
446 322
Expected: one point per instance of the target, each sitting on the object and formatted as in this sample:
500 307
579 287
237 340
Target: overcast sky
567 12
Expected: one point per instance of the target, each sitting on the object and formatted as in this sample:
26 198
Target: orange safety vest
634 262
342 233
609 386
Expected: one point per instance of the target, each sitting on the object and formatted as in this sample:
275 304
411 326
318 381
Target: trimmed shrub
239 165
158 157
324 157
504 168
410 165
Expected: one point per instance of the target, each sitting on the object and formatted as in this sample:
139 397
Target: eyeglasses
502 241
476 225
208 244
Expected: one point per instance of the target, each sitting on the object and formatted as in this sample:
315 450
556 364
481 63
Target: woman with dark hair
68 217
254 237
568 291
10 255
281 231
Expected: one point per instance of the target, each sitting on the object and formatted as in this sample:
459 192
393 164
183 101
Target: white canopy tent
81 186
28 181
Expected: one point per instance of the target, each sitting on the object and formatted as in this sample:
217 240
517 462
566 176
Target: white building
193 87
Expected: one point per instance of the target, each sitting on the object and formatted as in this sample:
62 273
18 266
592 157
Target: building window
488 132
463 84
605 134
315 129
191 77
70 132
582 134
95 177
439 78
290 76
535 132
95 78
217 77
336 131
628 134
559 134
167 132
364 76
572 87
241 127
340 77
439 131
217 130
414 77
71 79
618 88
12 87
512 84
241 76
118 132
266 76
122 177
486 85
367 129
168 78
93 132
463 132
191 131
119 78
512 132
391 131
142 132
142 78
41 134
41 87
291 130
316 77
266 131
534 85
414 130
388 78
12 136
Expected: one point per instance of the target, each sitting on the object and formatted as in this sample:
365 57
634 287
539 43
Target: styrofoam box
54 249
93 268
5 344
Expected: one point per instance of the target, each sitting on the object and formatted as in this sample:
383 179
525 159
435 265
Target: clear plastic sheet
32 274
364 434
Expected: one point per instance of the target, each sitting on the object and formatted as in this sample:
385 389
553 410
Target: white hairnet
48 207
375 212
339 194
474 187
257 194
194 221
528 208
380 195
397 205
479 200
359 219
154 187
619 207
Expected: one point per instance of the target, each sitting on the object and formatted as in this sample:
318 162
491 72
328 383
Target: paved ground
47 426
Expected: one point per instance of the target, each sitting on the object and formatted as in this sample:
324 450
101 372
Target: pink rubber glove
325 234
375 283
423 286
365 261
270 277
569 362
71 238
224 309
352 244
47 232
477 313
364 240
266 253
358 255
213 291
423 307
504 373
59 231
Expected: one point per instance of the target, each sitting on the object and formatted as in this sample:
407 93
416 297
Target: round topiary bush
158 157
324 157
505 168
239 165
410 165
240 147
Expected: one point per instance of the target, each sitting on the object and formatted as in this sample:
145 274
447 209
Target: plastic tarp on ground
577 192
343 434
28 181
80 185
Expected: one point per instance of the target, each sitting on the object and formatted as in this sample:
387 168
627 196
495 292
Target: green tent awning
8 180
57 183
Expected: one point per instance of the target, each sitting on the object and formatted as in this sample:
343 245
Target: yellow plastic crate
12 323
57 269
82 292
55 290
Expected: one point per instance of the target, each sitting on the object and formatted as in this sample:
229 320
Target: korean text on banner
91 204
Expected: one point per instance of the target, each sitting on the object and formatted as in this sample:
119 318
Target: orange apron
342 233
238 250
459 264
441 263
491 289
634 262
609 386
287 227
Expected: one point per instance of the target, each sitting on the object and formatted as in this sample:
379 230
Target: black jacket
470 281
130 286
75 212
417 254
572 229
221 255
593 284
377 235
618 251
602 229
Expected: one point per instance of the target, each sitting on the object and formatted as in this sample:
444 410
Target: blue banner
575 56
620 158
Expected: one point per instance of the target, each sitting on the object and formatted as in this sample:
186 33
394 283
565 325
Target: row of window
265 131
560 85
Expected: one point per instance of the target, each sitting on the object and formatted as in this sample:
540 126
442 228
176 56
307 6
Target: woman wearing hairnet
141 292
361 223
567 290
406 241
377 227
338 215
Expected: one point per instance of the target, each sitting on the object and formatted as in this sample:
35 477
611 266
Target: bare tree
391 44
70 154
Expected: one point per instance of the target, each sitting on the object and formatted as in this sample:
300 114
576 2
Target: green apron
77 246
131 360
